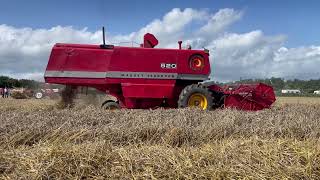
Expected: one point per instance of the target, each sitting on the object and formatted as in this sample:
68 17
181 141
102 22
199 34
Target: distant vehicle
46 91
41 93
290 91
316 92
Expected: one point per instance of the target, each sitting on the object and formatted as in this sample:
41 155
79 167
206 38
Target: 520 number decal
168 66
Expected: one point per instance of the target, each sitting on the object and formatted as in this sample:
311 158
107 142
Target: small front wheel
38 95
110 105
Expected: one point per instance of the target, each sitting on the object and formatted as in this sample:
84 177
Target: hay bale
18 95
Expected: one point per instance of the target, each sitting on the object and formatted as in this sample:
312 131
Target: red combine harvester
147 77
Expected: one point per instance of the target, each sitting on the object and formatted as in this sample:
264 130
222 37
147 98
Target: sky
247 39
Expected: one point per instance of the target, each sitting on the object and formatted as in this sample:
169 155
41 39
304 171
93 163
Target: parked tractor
147 77
46 91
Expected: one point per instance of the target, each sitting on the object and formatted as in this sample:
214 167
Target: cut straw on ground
40 141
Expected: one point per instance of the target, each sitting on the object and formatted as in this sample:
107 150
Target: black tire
218 99
110 105
190 90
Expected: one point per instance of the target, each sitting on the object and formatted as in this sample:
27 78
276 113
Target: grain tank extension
148 77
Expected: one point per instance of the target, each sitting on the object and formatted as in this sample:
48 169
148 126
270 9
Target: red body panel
147 90
131 74
75 57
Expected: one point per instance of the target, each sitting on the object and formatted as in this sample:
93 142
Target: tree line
305 86
9 82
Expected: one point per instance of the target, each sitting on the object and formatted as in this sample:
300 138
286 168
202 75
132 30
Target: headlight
196 62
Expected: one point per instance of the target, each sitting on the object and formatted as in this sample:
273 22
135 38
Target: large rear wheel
196 95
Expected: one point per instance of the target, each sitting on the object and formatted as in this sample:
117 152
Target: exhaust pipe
104 45
179 42
103 36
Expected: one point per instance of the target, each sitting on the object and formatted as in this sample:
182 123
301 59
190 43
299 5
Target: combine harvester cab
147 77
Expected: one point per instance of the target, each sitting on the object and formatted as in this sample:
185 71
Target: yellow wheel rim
198 100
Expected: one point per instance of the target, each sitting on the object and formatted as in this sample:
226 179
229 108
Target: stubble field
39 141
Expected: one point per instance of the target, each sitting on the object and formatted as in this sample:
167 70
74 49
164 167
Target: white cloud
247 55
301 62
220 20
169 29
255 55
24 52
